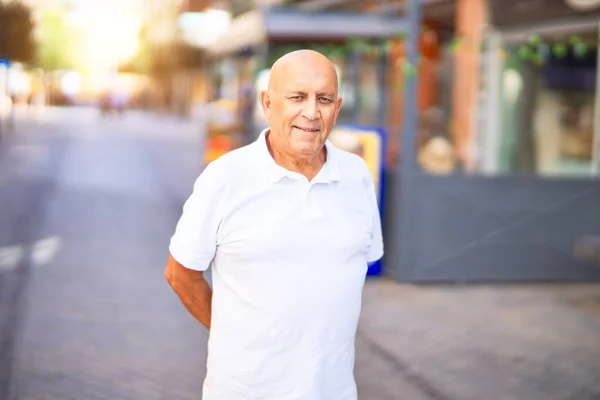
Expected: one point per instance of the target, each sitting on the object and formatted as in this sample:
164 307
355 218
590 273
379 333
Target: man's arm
193 290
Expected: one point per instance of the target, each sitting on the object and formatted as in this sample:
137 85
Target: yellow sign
367 144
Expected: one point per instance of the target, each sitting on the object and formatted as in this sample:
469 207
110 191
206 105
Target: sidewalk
479 342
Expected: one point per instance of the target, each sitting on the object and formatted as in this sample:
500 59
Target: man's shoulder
351 163
241 155
233 162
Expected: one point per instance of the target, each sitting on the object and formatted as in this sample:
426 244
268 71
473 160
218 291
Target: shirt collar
329 173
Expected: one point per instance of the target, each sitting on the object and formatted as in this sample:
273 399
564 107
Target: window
361 89
547 105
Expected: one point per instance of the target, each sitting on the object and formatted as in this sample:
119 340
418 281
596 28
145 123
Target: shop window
361 89
436 152
370 91
547 106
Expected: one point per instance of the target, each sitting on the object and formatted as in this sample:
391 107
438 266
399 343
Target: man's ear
265 102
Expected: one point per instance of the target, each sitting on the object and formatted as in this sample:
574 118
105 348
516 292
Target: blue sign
369 143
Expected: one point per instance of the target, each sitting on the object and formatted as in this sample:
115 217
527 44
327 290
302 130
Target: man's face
303 107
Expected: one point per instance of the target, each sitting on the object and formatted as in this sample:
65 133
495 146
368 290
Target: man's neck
308 166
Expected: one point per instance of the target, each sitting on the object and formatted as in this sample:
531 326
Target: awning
507 14
255 27
245 31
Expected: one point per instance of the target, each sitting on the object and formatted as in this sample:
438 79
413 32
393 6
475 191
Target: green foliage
56 42
332 50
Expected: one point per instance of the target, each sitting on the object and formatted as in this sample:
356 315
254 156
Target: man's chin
306 149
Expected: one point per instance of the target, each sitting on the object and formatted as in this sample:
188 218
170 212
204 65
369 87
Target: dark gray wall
477 229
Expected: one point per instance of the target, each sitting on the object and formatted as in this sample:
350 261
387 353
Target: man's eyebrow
302 93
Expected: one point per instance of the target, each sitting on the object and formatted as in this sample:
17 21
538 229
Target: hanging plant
560 50
524 52
354 45
337 52
327 50
363 46
580 49
535 40
536 58
574 40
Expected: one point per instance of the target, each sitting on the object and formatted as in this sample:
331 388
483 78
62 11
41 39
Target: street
87 207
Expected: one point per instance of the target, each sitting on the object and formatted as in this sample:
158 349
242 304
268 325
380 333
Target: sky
86 4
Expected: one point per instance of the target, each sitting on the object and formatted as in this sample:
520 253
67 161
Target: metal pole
403 221
3 78
409 134
355 75
382 90
383 71
595 168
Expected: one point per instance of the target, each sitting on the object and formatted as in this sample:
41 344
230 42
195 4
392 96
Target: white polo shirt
289 261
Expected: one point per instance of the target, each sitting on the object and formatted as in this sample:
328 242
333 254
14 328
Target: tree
16 37
16 34
57 42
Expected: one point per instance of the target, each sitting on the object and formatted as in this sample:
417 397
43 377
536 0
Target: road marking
10 258
44 251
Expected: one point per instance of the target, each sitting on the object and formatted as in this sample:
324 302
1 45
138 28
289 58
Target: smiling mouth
311 130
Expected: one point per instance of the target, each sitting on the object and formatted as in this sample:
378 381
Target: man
288 224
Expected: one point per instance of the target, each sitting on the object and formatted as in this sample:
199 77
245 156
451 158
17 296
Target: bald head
301 104
301 62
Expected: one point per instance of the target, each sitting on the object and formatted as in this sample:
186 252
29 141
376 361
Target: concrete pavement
531 342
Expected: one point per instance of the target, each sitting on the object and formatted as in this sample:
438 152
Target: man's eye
296 97
325 100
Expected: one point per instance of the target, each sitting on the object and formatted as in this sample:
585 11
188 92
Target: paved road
87 209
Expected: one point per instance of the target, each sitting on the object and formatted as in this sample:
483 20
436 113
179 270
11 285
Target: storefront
526 205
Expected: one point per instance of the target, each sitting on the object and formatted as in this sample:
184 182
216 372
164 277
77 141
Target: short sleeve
195 240
375 251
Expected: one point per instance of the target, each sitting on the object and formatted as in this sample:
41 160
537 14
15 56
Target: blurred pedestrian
288 224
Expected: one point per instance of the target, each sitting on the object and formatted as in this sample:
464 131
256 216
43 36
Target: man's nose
310 110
